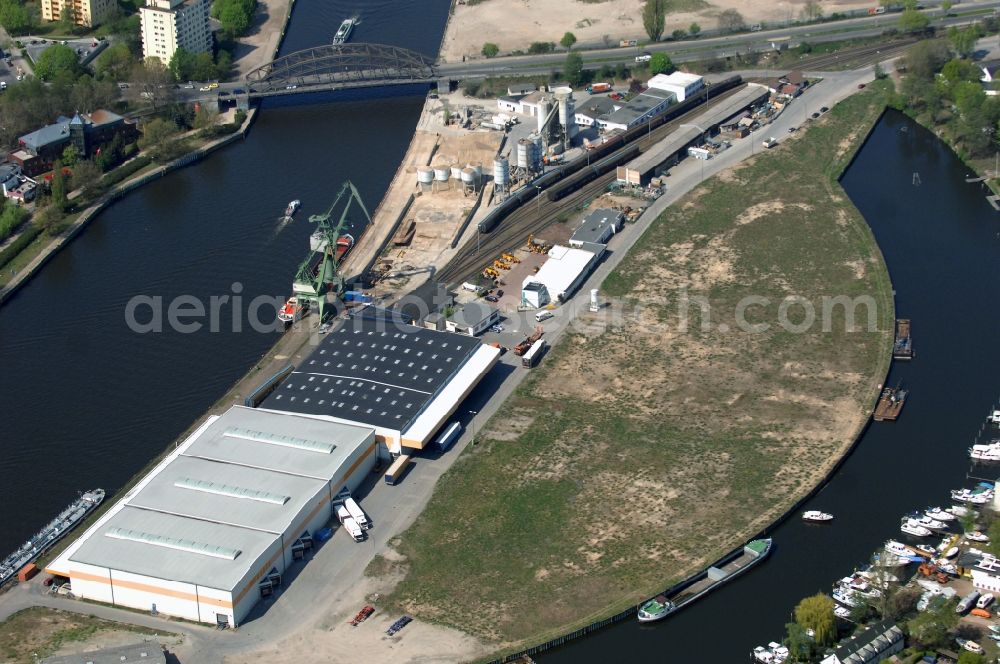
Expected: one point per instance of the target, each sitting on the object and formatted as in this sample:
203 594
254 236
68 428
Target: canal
85 401
940 240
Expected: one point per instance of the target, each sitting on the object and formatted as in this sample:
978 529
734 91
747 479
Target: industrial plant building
217 524
680 84
472 318
564 271
637 110
597 227
403 381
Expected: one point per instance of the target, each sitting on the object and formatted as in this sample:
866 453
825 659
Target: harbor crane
319 274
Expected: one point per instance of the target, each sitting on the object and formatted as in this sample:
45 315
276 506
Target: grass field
34 634
635 455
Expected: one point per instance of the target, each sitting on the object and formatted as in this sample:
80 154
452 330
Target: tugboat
890 404
292 208
344 31
655 609
902 348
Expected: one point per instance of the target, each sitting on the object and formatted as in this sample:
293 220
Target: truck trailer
352 527
357 513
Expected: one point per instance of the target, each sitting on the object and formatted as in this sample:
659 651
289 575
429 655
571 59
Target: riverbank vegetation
644 448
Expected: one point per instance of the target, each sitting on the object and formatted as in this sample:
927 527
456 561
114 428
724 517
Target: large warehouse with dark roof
402 380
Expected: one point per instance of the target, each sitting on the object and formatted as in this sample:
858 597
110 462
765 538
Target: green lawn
635 455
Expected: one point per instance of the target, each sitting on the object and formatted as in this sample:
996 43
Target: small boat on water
987 453
977 496
293 310
939 514
774 653
842 612
902 347
899 549
292 208
912 527
845 597
815 516
344 31
890 404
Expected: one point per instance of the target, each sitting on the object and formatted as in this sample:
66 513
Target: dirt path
515 24
260 44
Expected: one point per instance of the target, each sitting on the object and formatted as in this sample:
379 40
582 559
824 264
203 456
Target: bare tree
153 82
731 21
812 11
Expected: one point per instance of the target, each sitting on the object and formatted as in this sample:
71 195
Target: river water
940 240
86 402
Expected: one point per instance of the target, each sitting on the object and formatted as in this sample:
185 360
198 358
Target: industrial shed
597 227
217 524
404 381
639 171
563 272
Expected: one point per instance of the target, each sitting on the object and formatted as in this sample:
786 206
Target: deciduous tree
568 40
55 60
812 11
58 186
15 17
660 63
816 613
490 50
930 628
156 134
86 174
694 29
912 20
573 69
731 20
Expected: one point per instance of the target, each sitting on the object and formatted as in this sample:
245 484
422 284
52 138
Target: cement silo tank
567 110
456 171
425 175
442 174
476 166
544 107
501 172
468 176
524 150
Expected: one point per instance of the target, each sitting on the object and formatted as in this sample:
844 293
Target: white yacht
939 514
912 527
928 522
815 516
977 536
845 597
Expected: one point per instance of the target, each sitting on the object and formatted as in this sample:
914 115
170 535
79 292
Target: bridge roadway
680 51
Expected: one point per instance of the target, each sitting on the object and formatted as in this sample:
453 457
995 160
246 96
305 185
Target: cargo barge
43 540
902 347
729 568
890 404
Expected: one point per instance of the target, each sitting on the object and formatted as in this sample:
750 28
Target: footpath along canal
941 241
87 402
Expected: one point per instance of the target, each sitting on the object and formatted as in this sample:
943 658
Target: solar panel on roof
177 543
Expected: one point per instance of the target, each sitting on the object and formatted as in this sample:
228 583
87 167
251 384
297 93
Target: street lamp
473 424
538 198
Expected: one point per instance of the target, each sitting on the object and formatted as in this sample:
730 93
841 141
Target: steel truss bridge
338 67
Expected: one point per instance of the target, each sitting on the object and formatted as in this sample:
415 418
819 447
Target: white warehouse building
560 275
216 524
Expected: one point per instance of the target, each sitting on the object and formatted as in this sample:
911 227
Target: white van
470 287
543 315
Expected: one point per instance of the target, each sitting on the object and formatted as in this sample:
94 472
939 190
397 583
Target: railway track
533 217
859 56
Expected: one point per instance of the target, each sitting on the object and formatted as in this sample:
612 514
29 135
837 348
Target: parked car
792 130
213 86
204 88
188 86
492 298
814 116
645 57
861 86
823 109
497 329
291 87
500 293
239 91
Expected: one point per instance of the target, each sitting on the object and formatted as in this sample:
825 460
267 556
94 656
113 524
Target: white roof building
220 520
682 84
562 273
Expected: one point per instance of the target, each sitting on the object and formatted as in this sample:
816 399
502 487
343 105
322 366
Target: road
329 582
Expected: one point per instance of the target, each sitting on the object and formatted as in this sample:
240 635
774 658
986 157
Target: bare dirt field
663 431
515 24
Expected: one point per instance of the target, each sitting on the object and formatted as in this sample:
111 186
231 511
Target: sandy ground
514 24
340 643
260 44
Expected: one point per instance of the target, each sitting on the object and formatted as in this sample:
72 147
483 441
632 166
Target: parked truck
529 359
598 87
357 513
352 527
523 347
770 142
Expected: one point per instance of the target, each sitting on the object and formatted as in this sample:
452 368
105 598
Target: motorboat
860 586
951 553
842 612
292 208
763 655
939 514
977 536
344 31
927 522
815 516
972 496
928 551
990 452
845 597
912 527
898 549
